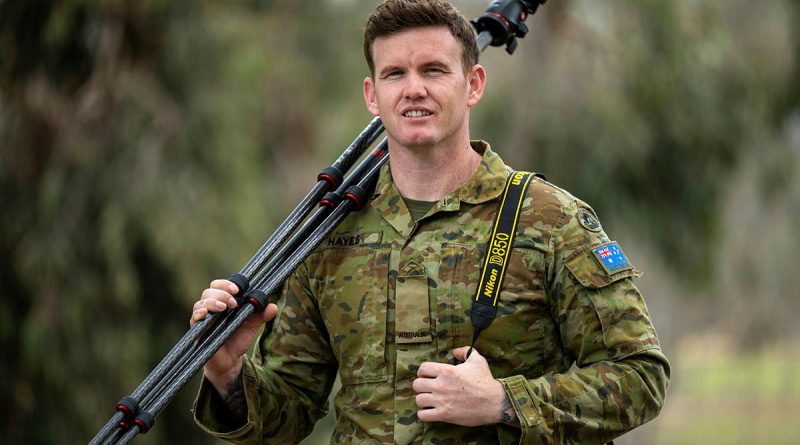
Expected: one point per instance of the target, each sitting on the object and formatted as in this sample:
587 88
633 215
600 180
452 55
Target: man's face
420 89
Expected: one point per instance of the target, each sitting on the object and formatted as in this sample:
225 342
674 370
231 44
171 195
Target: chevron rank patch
612 258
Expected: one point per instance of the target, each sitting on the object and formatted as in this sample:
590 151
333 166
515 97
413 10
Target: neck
431 173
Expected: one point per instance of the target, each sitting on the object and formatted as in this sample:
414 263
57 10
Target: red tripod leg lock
144 421
358 195
332 175
331 200
128 406
257 298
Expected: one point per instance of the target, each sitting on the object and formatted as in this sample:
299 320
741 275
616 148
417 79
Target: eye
394 74
434 70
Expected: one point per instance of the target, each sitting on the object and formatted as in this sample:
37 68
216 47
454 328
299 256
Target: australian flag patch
611 257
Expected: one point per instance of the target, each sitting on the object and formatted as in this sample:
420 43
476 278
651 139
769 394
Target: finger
422 385
430 415
198 315
424 401
219 295
431 369
204 307
225 285
212 304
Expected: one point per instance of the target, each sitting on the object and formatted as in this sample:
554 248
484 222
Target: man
571 357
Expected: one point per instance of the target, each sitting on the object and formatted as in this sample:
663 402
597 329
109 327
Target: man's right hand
226 364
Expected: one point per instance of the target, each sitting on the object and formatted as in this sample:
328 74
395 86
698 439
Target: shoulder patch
587 219
612 258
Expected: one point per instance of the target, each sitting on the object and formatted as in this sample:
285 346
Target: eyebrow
432 64
388 69
436 64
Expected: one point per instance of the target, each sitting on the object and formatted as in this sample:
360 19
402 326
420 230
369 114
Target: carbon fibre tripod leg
288 249
328 179
265 285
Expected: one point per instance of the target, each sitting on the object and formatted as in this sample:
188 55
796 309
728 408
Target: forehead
416 45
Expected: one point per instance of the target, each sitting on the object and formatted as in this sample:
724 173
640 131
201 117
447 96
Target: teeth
417 113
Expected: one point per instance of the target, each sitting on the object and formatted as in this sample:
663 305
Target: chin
418 141
419 145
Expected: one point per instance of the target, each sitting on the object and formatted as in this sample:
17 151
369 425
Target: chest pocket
522 338
352 295
455 268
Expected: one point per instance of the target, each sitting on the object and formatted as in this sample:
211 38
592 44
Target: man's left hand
466 394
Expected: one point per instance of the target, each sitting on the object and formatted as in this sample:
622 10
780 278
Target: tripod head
504 21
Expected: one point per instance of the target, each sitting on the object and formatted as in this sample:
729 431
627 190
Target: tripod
335 196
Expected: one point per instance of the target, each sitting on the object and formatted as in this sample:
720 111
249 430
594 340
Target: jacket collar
485 184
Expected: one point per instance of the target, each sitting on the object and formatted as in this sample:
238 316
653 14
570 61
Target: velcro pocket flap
413 311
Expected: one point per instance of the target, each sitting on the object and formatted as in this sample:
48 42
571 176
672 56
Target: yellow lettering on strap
498 250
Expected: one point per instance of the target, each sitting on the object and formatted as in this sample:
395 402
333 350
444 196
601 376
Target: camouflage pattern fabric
572 343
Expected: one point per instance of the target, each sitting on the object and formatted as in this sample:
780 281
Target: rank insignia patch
611 257
588 220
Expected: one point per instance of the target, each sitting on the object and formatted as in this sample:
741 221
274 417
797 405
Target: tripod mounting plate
504 20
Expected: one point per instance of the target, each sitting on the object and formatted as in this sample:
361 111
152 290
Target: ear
369 96
476 80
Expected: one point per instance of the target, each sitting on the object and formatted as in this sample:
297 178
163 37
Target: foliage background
147 147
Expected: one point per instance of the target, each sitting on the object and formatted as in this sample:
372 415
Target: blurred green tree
147 147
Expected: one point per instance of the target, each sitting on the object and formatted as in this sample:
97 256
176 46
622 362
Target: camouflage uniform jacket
572 342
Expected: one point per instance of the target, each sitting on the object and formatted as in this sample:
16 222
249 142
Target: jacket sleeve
619 375
287 380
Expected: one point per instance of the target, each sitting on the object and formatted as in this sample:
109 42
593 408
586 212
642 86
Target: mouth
417 113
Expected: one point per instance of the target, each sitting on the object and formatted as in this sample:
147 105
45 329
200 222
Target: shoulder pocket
599 265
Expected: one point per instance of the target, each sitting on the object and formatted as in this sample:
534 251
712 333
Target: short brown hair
393 16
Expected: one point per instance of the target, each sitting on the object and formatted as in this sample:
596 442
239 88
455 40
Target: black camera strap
484 307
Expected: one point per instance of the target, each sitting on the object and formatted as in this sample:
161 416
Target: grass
718 396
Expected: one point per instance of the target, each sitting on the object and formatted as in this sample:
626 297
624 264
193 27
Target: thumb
461 353
269 313
255 321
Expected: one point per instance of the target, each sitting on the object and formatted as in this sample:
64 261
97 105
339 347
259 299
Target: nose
415 87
